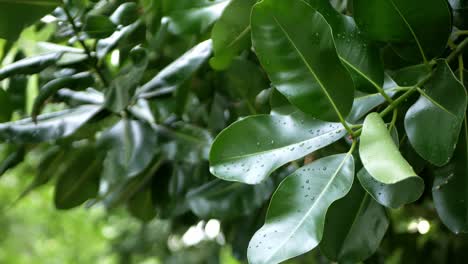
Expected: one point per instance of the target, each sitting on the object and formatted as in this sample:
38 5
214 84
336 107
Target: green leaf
125 14
132 147
363 103
460 13
193 16
405 25
450 190
141 206
75 98
243 81
80 178
391 195
249 150
98 26
188 143
49 126
383 161
104 46
15 15
302 61
226 200
123 87
296 216
30 65
231 33
354 227
176 73
440 110
12 159
50 88
361 57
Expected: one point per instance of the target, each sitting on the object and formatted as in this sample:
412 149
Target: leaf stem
85 47
460 48
461 68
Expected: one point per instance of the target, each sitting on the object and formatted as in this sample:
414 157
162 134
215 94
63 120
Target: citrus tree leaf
302 62
296 216
231 33
440 110
384 162
179 71
49 126
15 15
249 150
354 227
404 24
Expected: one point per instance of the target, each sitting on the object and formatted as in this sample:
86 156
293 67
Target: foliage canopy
321 117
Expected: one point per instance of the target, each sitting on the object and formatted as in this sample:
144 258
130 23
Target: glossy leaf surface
405 23
302 63
231 33
384 162
251 149
49 126
361 57
179 71
433 123
296 216
354 227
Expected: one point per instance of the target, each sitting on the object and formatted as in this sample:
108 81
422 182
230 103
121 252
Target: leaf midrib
411 30
277 149
304 218
340 116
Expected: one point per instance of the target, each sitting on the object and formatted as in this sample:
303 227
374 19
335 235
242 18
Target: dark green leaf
176 73
29 65
141 206
223 200
302 61
104 46
98 26
361 57
15 15
433 123
79 180
450 190
405 25
296 216
251 149
193 16
132 146
231 33
123 87
125 14
12 160
50 88
49 126
354 227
